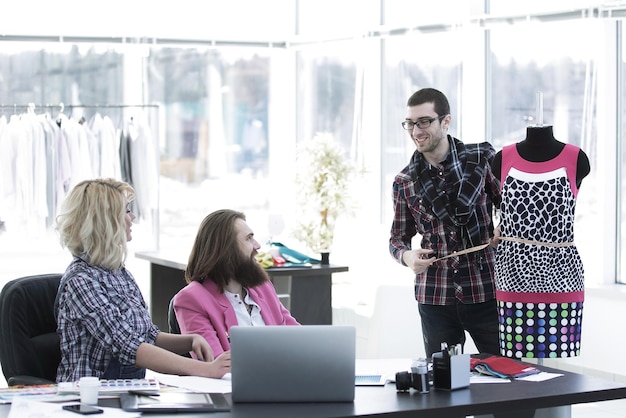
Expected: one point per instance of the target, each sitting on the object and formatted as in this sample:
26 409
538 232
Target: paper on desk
42 393
539 377
478 378
196 384
25 408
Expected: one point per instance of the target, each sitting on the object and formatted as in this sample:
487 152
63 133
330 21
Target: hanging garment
107 146
144 165
42 158
539 273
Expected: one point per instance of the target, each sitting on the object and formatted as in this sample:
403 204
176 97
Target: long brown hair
215 251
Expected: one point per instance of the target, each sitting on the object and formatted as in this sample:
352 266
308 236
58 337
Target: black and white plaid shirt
100 314
450 207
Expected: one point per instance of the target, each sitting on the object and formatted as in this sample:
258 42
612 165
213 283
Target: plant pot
325 258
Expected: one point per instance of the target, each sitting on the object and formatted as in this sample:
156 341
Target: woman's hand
201 348
218 367
163 361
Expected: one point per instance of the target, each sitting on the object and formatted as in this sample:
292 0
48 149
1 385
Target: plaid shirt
466 278
100 314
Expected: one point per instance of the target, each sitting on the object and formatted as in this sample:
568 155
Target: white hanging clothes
144 166
76 139
42 158
108 143
7 168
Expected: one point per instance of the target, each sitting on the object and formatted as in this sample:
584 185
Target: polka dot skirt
540 330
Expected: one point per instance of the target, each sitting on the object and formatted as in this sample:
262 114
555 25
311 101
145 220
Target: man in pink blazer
226 285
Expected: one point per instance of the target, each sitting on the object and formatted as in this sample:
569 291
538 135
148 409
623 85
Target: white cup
89 387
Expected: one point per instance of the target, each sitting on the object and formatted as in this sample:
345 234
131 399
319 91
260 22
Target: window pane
66 74
326 91
405 74
215 151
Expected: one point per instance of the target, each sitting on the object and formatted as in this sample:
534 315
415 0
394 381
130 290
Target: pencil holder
451 372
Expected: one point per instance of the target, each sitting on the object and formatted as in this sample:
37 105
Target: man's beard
249 273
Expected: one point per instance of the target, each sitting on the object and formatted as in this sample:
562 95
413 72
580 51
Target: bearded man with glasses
446 194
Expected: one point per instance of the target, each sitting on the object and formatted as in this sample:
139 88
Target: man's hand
418 260
496 238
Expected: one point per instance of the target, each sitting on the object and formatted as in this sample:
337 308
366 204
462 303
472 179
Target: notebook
502 367
308 363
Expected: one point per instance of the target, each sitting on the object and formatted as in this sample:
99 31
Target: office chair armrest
28 381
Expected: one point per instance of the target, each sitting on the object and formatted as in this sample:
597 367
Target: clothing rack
63 107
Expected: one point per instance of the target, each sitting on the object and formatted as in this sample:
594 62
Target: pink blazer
202 309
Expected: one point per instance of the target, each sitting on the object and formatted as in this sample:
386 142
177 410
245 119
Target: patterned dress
539 273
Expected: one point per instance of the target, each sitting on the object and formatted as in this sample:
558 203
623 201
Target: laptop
308 363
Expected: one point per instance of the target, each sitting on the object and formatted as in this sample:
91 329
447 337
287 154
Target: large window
230 112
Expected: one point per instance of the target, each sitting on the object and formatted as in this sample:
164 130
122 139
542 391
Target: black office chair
172 322
29 344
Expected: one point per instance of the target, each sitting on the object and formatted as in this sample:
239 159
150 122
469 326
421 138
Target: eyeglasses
421 123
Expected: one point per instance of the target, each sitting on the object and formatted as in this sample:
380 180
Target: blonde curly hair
92 221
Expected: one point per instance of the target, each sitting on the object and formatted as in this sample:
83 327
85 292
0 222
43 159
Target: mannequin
538 272
540 145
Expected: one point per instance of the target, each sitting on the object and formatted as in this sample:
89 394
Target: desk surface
478 399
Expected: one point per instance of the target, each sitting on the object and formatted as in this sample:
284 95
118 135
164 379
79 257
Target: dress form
539 274
540 145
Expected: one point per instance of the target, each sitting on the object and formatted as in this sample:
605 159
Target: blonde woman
103 321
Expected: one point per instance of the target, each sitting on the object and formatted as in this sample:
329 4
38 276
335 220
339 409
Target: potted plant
323 179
